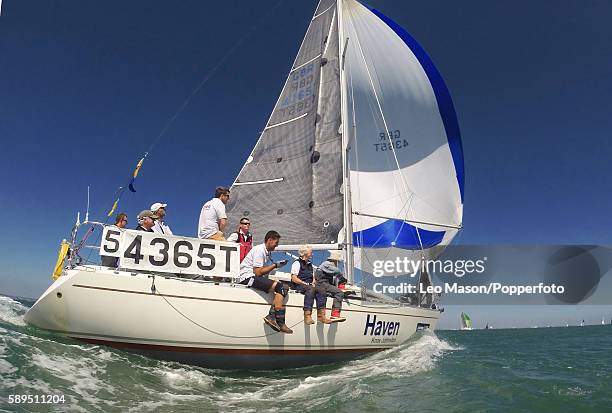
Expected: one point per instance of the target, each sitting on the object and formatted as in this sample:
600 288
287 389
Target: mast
348 217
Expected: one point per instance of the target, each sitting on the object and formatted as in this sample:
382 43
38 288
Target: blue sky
86 87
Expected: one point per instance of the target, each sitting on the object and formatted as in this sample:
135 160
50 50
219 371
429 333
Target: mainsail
292 180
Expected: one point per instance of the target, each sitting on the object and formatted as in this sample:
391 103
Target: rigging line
206 78
363 280
212 331
119 194
212 72
413 195
384 121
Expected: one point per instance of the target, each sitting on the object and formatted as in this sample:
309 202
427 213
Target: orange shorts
218 236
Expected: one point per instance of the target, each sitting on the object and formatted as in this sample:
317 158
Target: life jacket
306 273
246 243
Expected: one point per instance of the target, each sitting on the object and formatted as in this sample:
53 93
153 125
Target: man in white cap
325 277
160 226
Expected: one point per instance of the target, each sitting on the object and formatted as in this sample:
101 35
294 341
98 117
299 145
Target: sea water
522 370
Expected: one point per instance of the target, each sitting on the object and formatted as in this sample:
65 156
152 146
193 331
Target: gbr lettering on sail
150 251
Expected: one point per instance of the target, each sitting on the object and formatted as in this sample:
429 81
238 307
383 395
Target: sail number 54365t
156 252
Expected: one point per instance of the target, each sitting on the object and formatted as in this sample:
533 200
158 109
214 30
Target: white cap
335 255
157 206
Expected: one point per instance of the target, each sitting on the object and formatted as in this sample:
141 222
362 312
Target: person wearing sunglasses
243 236
121 220
146 220
160 226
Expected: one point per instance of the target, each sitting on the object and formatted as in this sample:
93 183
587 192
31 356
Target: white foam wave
169 399
349 382
406 360
85 374
12 311
34 386
6 367
186 379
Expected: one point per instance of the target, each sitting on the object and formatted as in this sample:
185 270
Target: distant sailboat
582 323
466 321
603 322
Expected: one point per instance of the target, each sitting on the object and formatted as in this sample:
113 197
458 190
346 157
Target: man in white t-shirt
160 226
213 219
254 271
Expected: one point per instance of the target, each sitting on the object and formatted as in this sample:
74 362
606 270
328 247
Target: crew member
212 217
146 220
243 236
254 271
325 277
302 280
160 226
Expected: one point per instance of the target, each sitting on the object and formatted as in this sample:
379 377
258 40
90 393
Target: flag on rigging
131 185
110 213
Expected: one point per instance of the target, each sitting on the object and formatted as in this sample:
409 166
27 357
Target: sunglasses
245 223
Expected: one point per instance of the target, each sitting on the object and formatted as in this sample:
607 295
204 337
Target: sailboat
362 154
466 321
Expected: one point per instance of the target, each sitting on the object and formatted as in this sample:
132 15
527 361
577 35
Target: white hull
212 325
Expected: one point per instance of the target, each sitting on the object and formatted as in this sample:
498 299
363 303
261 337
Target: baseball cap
147 213
335 255
157 206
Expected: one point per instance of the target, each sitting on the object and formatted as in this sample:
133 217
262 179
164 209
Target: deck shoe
272 323
308 317
321 316
336 317
285 329
280 321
